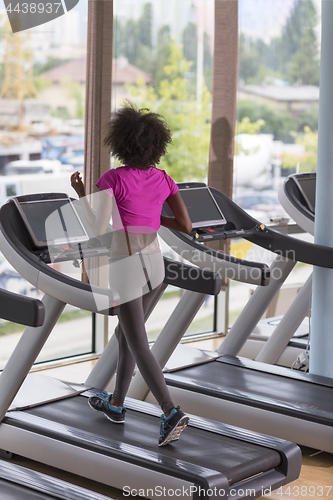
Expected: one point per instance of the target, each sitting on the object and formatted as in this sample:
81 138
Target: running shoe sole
175 433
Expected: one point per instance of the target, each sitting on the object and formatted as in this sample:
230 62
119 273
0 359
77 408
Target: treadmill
276 400
17 482
291 332
288 342
214 460
297 196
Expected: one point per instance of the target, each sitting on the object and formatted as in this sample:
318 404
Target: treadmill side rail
56 488
21 309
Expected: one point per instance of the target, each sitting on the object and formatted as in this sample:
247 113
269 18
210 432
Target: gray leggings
134 348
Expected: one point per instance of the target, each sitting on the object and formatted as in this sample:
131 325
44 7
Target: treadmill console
202 207
51 219
306 184
54 230
207 216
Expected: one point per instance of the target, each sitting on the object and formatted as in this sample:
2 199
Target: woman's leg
126 361
125 369
131 319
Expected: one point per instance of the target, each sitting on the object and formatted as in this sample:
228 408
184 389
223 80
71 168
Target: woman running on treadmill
134 195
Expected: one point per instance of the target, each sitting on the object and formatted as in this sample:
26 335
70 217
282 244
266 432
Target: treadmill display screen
307 187
202 207
52 221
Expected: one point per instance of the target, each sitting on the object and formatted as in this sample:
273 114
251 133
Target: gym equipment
65 433
250 394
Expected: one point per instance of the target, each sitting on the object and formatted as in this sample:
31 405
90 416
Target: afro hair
137 137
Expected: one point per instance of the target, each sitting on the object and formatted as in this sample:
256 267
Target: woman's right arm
181 220
99 220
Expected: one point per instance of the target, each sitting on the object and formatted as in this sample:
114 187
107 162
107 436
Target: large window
163 60
277 114
157 62
41 144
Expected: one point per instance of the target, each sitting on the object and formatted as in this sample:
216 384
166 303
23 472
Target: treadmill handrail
21 309
227 266
191 278
292 248
282 244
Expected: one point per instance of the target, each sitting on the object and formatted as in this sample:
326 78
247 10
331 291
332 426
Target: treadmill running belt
235 458
265 390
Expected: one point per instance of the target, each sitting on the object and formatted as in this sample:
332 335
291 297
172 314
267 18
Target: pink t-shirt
139 196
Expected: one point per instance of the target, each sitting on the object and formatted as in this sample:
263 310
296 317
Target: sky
257 18
263 18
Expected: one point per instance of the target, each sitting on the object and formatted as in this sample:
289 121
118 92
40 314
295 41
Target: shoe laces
165 421
106 396
162 424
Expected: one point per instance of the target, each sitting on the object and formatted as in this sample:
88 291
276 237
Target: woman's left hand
77 184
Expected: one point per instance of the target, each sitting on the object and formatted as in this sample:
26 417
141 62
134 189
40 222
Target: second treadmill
257 396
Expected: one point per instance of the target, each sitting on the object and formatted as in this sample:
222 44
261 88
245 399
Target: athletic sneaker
102 403
172 426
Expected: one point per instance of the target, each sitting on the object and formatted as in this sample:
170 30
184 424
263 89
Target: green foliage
41 84
246 127
145 26
187 157
190 47
293 56
248 59
118 39
75 92
289 162
50 63
258 61
308 161
299 44
2 74
133 40
190 43
309 118
278 122
61 113
164 44
309 140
